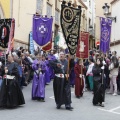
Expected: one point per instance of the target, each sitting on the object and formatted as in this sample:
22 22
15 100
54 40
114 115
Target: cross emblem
42 29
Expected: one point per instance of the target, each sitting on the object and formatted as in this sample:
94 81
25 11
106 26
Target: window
39 6
49 10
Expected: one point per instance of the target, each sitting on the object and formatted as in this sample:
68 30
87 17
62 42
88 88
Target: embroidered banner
42 30
83 46
5 27
105 34
70 24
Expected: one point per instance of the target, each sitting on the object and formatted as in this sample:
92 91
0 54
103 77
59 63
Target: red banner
47 47
83 45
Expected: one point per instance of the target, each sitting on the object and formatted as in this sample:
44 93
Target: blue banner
31 43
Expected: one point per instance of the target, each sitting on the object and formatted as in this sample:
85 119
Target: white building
91 17
115 36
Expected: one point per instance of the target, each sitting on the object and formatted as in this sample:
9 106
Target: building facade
115 36
91 25
23 12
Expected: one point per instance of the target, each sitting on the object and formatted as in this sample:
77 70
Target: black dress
11 94
98 87
61 86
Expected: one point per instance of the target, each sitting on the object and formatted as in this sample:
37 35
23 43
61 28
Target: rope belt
59 75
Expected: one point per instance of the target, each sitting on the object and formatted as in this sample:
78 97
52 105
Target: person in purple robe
38 85
51 70
46 65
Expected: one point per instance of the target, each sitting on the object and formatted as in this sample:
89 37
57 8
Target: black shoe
78 97
24 84
81 94
69 108
58 106
102 105
42 100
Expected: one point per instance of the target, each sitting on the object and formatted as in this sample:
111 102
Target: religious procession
62 61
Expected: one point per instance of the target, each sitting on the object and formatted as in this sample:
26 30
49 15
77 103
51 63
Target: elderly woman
11 94
113 74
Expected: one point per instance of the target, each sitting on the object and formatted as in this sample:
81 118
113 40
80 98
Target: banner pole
81 61
68 66
5 66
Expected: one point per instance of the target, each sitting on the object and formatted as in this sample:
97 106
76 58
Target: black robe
61 86
11 94
98 87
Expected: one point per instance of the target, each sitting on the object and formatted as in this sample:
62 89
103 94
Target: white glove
80 75
102 67
104 63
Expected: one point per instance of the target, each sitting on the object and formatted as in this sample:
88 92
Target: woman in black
99 90
11 94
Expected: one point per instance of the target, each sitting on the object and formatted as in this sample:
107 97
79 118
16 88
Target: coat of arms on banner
83 45
5 27
70 24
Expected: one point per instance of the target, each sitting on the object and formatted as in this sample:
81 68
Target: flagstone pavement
83 108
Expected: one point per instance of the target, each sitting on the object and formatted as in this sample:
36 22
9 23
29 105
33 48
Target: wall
115 36
116 48
23 12
5 5
115 26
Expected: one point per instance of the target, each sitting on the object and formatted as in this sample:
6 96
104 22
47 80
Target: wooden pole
68 67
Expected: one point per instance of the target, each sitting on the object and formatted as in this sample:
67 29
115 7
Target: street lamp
106 12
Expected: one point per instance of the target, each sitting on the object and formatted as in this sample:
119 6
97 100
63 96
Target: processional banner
70 24
105 24
83 46
42 30
5 28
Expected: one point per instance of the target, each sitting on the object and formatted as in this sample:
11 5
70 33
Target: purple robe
72 73
51 71
47 75
72 77
38 85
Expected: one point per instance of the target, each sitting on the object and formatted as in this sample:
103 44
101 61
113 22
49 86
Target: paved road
83 108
